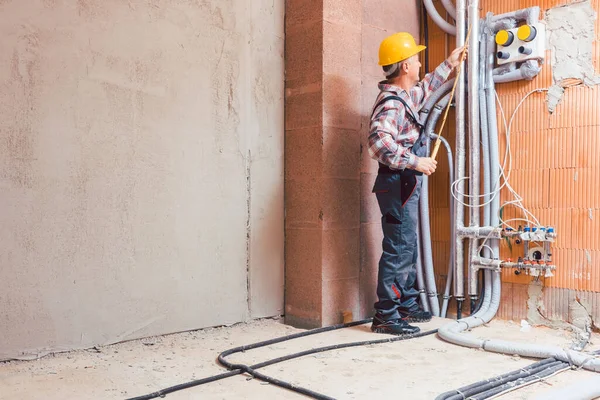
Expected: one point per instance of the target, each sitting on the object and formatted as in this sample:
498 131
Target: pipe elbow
530 69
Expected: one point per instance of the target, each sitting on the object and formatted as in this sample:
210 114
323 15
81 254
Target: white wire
504 171
508 155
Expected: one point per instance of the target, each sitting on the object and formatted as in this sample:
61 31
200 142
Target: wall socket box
527 42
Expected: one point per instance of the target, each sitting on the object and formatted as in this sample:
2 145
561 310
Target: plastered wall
141 169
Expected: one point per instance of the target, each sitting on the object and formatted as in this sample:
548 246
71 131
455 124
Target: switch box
527 42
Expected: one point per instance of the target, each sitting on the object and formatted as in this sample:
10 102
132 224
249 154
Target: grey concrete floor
416 369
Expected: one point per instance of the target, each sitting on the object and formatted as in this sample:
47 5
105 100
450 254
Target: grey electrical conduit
420 279
530 15
431 123
502 384
424 217
485 140
449 7
477 389
474 142
502 74
485 151
427 253
425 271
587 390
460 156
425 259
437 18
453 332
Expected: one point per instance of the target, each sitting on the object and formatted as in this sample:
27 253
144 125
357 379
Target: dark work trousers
397 267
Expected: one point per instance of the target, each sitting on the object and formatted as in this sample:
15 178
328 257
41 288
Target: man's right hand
426 165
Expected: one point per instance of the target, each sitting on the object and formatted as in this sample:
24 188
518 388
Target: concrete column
331 83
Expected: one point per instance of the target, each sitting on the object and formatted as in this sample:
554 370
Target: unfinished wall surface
141 166
555 168
331 84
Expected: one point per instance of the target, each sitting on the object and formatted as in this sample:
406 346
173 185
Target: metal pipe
437 18
459 288
475 158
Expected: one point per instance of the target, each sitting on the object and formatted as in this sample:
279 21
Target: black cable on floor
551 370
238 369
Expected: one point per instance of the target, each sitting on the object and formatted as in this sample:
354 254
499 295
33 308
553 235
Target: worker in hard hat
395 141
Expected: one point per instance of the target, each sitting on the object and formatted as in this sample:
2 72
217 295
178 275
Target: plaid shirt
392 134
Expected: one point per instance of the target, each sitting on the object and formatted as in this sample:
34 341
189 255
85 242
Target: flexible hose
420 273
437 18
432 120
241 368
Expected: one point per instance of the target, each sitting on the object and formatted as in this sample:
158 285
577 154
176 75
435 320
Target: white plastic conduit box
527 42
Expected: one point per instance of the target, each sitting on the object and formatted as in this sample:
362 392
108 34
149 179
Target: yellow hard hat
398 47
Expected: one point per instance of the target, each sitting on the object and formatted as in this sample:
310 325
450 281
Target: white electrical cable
508 156
504 172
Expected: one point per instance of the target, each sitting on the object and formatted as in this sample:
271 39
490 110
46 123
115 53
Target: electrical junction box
527 42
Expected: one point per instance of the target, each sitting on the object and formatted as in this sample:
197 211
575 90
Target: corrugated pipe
427 254
485 151
475 389
437 18
453 332
420 279
530 15
528 70
436 102
586 390
449 7
429 127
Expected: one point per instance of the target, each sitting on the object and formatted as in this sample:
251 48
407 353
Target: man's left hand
455 56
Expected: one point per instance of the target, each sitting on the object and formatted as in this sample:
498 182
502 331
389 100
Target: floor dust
417 369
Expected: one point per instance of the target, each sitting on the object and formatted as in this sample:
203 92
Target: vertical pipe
427 254
459 285
494 156
485 151
475 159
420 278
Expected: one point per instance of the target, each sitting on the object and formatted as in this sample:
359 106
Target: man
394 141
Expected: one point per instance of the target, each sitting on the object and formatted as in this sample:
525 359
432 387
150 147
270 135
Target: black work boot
417 315
393 327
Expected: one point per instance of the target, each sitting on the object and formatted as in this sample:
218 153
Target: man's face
413 69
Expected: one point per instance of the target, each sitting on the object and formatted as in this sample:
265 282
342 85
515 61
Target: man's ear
405 66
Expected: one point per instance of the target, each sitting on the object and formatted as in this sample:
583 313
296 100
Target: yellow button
526 33
502 37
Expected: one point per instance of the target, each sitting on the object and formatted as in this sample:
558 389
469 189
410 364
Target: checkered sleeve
421 92
383 134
